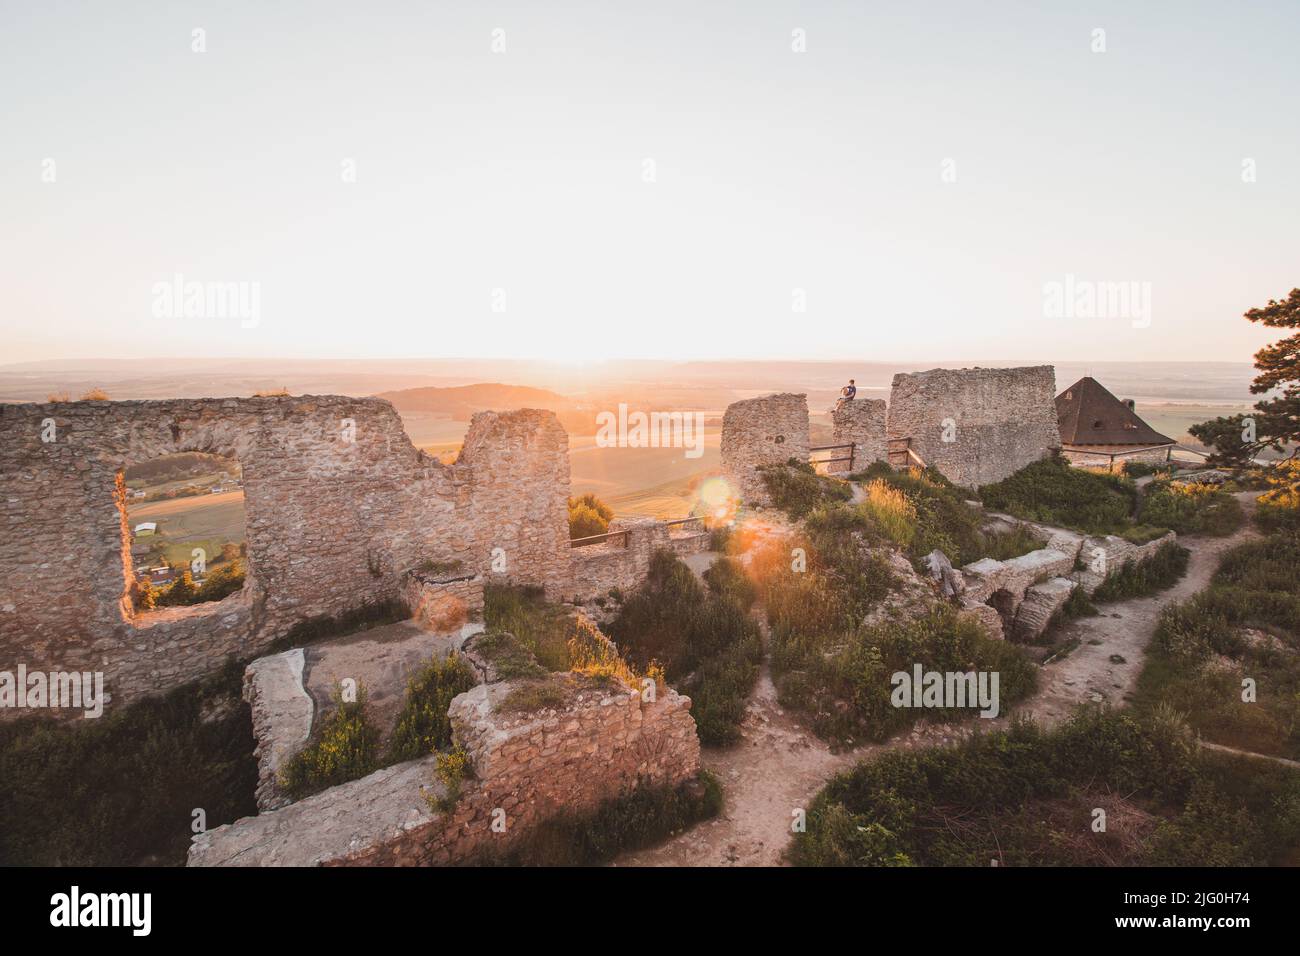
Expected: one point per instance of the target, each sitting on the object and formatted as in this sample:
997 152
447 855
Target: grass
122 790
510 656
703 638
1026 796
795 488
642 817
920 511
1156 572
533 696
1053 492
540 626
1244 625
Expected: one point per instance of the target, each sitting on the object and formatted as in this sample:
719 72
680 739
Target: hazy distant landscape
437 397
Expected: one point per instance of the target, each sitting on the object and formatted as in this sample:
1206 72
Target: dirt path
1284 761
779 765
1112 646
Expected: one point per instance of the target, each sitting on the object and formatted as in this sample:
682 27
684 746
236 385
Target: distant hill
462 401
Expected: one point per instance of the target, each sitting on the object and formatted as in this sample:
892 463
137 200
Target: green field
204 521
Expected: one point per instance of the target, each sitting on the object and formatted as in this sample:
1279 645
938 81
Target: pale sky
525 171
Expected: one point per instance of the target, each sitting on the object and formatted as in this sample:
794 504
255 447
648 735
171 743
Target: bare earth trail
779 764
1094 671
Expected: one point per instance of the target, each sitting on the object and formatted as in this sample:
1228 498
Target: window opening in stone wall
186 529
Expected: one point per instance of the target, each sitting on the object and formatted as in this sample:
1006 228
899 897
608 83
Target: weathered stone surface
444 604
986 576
979 425
762 431
1104 555
1041 601
282 713
862 422
950 580
339 505
527 767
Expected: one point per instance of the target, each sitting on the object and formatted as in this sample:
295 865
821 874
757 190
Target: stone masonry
526 767
862 422
976 426
762 431
339 506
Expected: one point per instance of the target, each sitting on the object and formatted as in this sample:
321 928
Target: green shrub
640 818
346 747
121 790
1191 509
1053 492
1156 572
1201 650
423 726
508 655
451 768
706 642
726 578
797 489
721 537
843 680
1024 796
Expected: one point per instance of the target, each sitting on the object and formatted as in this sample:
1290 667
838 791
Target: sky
680 180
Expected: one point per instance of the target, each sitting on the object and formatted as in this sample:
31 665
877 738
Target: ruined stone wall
760 431
978 425
339 505
1098 456
862 422
526 768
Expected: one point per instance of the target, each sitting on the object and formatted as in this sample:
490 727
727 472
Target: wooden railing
826 461
598 539
901 454
612 535
681 521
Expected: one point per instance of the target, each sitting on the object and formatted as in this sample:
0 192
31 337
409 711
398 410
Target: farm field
1174 419
204 521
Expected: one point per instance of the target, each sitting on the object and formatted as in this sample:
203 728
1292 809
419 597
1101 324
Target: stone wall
1016 598
526 767
761 431
339 505
623 563
1098 456
979 425
861 421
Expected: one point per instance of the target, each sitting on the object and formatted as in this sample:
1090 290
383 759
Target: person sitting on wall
847 393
